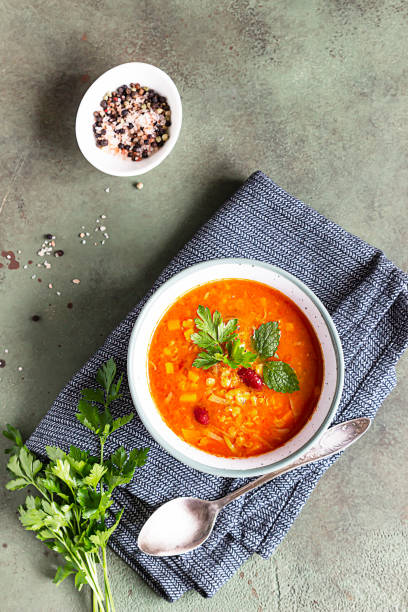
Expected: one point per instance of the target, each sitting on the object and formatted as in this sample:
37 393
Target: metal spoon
184 523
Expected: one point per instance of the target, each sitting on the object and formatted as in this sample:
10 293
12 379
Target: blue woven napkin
368 299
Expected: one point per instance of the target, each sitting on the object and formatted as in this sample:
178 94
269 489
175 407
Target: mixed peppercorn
133 121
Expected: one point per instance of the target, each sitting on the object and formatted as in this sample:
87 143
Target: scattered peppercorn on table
311 93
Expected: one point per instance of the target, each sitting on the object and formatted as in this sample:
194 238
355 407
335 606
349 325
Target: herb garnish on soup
235 368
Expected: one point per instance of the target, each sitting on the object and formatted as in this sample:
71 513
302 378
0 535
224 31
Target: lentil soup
218 410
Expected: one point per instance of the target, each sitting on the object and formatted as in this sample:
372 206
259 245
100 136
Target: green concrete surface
314 93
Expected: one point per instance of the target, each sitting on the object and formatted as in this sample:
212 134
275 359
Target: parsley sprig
219 341
75 490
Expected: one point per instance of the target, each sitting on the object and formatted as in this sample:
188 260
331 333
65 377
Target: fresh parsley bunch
75 490
221 344
219 340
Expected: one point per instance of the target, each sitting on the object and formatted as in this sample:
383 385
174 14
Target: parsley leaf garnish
76 489
206 360
238 356
219 340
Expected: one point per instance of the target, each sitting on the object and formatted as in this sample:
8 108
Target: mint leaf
266 339
280 377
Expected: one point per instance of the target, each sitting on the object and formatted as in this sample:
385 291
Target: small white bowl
133 72
310 305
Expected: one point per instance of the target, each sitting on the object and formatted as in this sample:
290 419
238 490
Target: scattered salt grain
102 228
34 276
19 252
103 216
20 369
25 267
106 235
83 241
6 350
139 186
107 190
88 234
58 292
76 281
8 256
49 285
82 235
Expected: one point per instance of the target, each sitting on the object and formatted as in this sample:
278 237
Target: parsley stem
43 493
102 441
90 570
108 591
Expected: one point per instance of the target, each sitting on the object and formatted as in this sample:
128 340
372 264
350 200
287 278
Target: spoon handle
333 440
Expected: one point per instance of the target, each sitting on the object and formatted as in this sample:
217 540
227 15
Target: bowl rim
176 125
250 472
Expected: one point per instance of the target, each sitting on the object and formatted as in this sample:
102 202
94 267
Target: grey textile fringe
366 295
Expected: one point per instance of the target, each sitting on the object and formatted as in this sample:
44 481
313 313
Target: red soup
239 377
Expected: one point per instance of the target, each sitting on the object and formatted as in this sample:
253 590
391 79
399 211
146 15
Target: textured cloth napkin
367 297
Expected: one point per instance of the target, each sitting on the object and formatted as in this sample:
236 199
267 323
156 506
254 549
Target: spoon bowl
189 522
184 523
